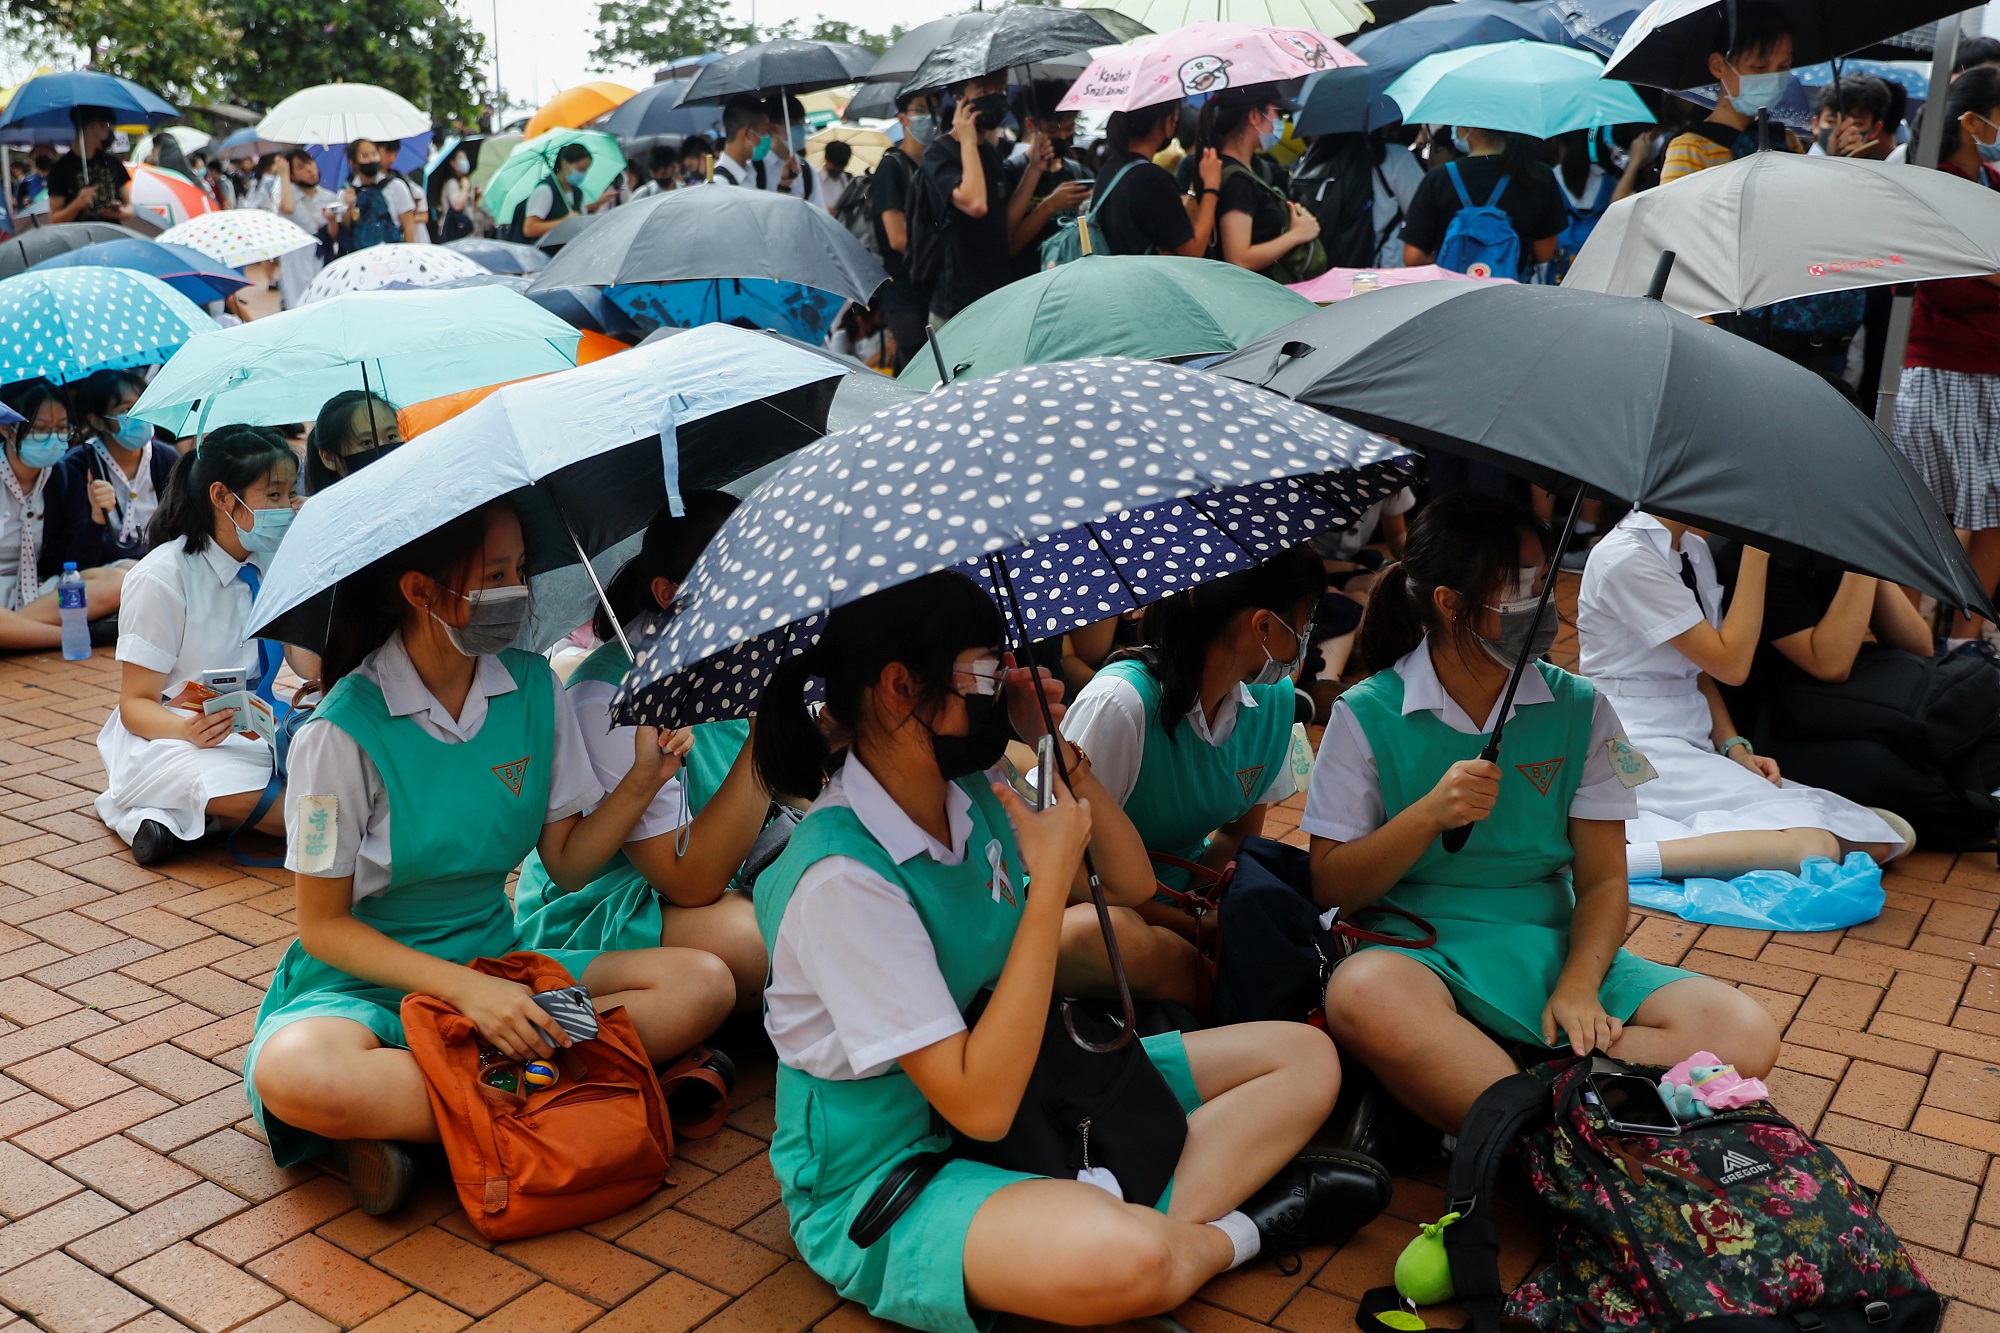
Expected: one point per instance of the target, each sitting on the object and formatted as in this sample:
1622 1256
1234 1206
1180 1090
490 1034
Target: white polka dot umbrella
1096 486
64 323
239 236
380 266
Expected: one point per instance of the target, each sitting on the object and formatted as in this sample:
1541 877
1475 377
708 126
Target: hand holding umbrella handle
1455 838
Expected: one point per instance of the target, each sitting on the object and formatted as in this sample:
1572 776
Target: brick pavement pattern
137 1196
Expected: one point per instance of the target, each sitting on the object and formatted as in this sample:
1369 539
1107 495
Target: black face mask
988 729
361 458
1060 147
368 170
992 109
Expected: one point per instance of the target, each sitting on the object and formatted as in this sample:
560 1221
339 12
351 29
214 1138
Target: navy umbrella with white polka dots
1084 488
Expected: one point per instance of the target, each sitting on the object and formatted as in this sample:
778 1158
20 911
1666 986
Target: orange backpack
535 1160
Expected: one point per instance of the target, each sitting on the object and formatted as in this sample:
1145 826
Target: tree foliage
419 48
657 32
181 49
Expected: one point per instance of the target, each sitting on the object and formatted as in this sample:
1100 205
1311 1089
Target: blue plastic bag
1822 896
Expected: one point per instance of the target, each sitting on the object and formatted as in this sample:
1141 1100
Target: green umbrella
534 161
493 155
1148 307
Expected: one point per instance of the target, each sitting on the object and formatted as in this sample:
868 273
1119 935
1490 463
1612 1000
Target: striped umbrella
167 198
65 323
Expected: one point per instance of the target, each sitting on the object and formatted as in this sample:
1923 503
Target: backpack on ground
372 224
1481 240
1080 235
1740 1222
1301 263
1336 181
1582 221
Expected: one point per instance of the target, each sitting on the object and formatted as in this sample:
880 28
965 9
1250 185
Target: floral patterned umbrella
380 266
239 236
66 323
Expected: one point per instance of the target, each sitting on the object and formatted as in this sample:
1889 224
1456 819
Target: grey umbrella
1021 35
785 65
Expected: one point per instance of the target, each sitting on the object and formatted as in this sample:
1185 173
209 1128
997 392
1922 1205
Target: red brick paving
134 1194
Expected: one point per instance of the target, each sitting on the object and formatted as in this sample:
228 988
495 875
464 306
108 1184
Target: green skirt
617 910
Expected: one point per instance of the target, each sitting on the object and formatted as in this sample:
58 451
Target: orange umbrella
420 417
574 108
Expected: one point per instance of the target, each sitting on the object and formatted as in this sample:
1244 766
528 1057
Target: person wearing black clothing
104 492
89 183
966 205
1256 226
1148 213
901 302
1044 182
1532 201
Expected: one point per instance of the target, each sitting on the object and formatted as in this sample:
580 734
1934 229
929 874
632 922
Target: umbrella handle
1456 838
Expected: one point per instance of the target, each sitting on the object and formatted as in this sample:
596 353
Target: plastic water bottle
75 613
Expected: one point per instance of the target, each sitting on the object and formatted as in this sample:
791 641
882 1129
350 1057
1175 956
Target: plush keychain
1701 1085
1423 1274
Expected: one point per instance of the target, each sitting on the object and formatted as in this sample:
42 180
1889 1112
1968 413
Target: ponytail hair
1125 126
1178 631
1221 118
924 624
668 552
237 456
1466 542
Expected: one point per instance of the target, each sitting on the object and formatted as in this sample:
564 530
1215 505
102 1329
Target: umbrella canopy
63 324
381 265
571 227
866 145
492 154
1520 87
582 308
787 64
1668 45
1337 284
573 108
1329 18
340 113
406 346
1019 35
1071 470
1597 25
167 198
499 256
1201 58
1348 100
187 137
1719 433
417 418
1773 226
239 236
246 143
657 110
188 271
45 102
903 57
1148 307
533 163
20 253
582 449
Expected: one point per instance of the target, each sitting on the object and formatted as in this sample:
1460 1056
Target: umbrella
340 113
1337 284
331 159
44 103
1596 25
20 253
866 145
1914 80
573 108
63 324
499 256
1148 307
187 137
1773 226
404 345
417 418
566 231
167 198
239 236
907 52
1520 87
1718 433
380 265
786 65
188 271
533 163
581 450
246 143
1019 35
1202 58
1668 45
492 155
657 110
582 308
1330 18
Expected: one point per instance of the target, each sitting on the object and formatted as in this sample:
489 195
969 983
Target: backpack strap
1458 184
1493 200
1383 234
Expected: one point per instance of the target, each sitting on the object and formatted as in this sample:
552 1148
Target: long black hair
668 552
237 456
98 394
1466 542
1978 91
1178 631
334 430
28 397
1125 126
924 624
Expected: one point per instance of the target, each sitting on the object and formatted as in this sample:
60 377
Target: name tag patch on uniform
1249 778
1543 775
1302 757
319 818
512 774
999 882
1630 765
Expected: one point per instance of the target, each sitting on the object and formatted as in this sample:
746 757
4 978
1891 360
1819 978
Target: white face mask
494 618
1274 670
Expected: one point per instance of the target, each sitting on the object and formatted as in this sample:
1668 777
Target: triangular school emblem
1543 775
511 774
1249 777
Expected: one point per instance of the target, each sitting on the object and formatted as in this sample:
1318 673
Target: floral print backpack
1740 1222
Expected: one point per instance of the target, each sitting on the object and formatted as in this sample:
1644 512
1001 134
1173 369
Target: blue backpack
1481 239
373 223
1582 221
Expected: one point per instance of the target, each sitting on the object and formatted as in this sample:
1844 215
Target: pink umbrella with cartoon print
1200 58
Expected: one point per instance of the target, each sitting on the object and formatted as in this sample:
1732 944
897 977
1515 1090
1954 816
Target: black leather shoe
380 1172
1375 1126
1322 1196
154 843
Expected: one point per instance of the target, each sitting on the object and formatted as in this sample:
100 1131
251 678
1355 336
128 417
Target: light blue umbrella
64 324
1520 87
406 346
189 272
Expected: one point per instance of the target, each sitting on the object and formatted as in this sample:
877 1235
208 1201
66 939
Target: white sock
1242 1233
1642 860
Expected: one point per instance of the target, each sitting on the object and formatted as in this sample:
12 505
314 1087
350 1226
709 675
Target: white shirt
610 750
402 198
1345 799
543 202
11 520
729 172
831 188
326 761
182 614
855 983
1403 173
310 204
1632 601
1108 720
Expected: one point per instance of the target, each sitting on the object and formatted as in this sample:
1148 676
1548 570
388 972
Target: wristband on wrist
1735 741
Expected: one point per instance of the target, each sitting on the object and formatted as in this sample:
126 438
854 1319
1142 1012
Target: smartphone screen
1634 1103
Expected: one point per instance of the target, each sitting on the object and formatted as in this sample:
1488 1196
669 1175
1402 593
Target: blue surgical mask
762 150
798 138
1757 92
923 128
1988 152
575 178
1460 144
1268 139
130 432
267 529
41 448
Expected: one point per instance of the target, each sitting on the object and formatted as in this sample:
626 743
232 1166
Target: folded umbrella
533 163
63 324
787 64
340 113
1668 45
22 252
499 256
395 263
1519 87
1020 35
188 271
239 236
44 103
1198 59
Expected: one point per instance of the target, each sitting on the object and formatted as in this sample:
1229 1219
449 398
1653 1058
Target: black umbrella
657 110
785 65
1021 35
20 253
500 256
1669 45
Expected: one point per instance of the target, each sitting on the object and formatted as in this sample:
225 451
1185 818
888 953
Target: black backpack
1335 180
925 225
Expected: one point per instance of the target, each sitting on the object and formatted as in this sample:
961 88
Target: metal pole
499 97
1923 154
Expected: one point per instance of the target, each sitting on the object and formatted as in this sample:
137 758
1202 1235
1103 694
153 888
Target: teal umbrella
404 345
1519 87
65 323
534 161
1148 307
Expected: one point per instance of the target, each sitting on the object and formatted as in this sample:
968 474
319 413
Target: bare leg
726 928
1726 855
1397 1016
1700 1014
236 807
335 1078
1983 546
22 633
101 589
1265 1089
1159 965
675 997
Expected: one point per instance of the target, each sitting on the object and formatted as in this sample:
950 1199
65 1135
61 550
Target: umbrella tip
1657 288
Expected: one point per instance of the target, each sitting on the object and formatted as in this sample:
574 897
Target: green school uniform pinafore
1502 906
1187 789
461 816
619 909
835 1140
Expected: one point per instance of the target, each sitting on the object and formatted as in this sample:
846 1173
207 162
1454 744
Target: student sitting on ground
355 428
1653 637
34 536
107 488
1530 915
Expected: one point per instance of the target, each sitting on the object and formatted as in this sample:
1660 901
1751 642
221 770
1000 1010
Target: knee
1811 842
301 1086
709 982
1306 1058
1130 1268
1363 999
1720 1018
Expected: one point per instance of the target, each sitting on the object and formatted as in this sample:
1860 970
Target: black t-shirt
1533 200
1797 596
1243 191
1144 214
70 174
889 192
975 249
1029 260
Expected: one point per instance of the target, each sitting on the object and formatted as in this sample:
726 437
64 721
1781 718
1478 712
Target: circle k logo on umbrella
1848 266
